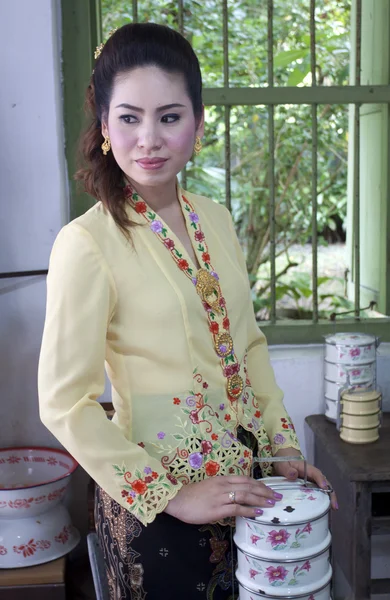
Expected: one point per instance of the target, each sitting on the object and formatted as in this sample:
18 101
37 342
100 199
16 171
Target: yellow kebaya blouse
179 389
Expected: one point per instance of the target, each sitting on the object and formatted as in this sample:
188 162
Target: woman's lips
151 164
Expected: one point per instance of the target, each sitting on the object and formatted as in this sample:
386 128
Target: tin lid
300 503
360 396
350 339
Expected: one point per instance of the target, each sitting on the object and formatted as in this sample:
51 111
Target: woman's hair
132 46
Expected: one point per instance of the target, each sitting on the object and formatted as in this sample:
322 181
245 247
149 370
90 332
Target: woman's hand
294 469
220 497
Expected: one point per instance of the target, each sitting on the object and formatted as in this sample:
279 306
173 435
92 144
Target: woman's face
151 125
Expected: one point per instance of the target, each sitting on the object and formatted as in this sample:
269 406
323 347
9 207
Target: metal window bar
314 177
225 29
356 164
271 161
353 94
135 11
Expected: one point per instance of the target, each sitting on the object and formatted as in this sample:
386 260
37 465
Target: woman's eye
170 118
128 119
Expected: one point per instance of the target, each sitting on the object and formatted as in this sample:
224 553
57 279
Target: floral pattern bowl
350 348
277 576
34 525
296 526
319 591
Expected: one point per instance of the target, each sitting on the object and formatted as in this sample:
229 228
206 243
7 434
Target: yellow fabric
131 309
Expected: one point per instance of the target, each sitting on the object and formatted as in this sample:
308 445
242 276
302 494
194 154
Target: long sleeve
269 396
81 301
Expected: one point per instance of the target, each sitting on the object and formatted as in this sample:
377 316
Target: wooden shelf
50 572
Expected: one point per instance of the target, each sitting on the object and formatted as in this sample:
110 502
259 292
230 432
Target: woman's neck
157 197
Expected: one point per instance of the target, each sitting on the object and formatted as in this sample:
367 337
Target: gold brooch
224 344
235 386
99 48
208 289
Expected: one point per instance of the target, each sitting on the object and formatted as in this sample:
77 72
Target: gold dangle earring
198 145
106 146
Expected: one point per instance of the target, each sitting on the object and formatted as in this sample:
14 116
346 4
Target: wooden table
360 474
42 582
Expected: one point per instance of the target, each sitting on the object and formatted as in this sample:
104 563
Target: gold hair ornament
99 48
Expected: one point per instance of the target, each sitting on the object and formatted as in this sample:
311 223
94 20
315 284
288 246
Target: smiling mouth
151 163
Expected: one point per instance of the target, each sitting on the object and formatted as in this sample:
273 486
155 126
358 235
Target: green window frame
82 32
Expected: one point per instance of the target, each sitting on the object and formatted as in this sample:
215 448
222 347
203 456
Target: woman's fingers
250 499
319 478
288 470
247 486
238 510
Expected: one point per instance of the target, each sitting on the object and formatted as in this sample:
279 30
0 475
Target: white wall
33 207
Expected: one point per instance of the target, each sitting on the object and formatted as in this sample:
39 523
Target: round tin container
361 421
332 390
319 591
359 436
296 524
302 572
285 551
360 408
353 374
330 410
361 395
350 348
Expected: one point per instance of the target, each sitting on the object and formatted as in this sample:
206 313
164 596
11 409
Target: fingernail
258 511
292 474
270 502
278 496
336 506
325 483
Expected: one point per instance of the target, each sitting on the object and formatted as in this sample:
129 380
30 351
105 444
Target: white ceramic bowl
249 591
34 526
350 348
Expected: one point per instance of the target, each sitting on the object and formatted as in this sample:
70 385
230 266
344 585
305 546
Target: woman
152 283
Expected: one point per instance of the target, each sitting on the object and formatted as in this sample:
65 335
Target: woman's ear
200 125
104 129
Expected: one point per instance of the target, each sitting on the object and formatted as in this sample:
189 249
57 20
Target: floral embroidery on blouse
145 492
204 441
206 282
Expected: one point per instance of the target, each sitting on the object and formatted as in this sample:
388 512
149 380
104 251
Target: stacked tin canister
285 553
352 397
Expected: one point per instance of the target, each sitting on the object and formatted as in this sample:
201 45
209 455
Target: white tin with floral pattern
354 374
350 348
296 525
285 552
284 577
35 527
319 591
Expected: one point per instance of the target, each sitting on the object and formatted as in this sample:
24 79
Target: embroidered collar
205 280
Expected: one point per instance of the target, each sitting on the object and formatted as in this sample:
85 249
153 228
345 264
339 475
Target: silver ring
232 497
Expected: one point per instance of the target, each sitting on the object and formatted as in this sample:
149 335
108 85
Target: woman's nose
149 138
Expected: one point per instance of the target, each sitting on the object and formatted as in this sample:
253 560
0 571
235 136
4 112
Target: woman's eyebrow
159 109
